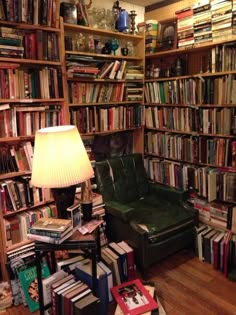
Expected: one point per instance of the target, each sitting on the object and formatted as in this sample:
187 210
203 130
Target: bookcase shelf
31 93
191 133
104 103
109 131
97 31
32 100
30 62
111 57
189 142
94 105
190 49
13 213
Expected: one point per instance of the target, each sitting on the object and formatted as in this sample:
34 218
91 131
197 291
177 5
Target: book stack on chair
51 230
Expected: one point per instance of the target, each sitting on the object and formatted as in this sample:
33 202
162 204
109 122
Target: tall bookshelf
189 130
100 104
32 97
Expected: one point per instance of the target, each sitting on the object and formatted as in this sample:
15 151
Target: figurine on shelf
106 49
82 16
114 45
123 21
132 16
116 12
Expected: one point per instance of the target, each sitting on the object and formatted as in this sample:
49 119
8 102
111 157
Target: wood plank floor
185 286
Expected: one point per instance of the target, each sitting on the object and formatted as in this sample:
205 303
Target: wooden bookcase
93 113
189 131
31 95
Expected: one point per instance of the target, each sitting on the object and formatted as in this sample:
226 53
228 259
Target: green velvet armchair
152 218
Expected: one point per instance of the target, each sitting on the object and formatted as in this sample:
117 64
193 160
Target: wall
168 11
107 4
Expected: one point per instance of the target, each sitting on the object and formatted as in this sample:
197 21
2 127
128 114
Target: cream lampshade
60 162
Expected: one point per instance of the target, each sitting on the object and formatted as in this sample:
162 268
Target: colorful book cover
28 280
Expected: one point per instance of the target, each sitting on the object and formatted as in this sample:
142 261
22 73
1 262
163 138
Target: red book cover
216 250
133 298
226 253
130 259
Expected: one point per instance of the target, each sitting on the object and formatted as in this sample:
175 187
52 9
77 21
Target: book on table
51 230
52 224
48 239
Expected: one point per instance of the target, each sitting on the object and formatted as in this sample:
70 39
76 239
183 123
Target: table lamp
60 162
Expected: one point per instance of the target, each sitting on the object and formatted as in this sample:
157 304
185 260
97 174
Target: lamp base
64 197
87 209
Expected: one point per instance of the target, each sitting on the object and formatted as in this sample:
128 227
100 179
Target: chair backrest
122 178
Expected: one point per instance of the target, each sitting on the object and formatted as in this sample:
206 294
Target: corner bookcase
190 137
32 97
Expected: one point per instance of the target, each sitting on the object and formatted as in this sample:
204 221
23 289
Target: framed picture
133 298
74 215
167 35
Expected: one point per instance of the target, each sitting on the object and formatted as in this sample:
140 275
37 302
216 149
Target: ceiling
143 3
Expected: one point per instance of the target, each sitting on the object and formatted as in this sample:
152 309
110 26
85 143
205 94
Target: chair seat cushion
160 218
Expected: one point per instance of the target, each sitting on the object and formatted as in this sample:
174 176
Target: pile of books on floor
68 295
51 230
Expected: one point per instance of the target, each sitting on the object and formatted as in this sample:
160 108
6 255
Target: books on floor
51 230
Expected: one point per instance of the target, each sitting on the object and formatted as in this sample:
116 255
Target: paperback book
28 280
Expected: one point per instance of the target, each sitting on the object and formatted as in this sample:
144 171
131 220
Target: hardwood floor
185 286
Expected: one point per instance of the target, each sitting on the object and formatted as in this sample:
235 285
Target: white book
47 283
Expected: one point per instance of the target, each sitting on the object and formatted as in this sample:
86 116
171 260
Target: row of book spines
36 12
17 194
16 227
109 70
191 91
41 45
69 290
186 177
25 123
92 93
217 152
16 158
208 121
216 247
33 83
38 45
92 120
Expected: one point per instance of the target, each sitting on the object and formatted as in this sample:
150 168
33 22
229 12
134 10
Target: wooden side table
87 243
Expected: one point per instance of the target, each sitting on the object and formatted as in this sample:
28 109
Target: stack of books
221 12
202 22
51 230
185 27
151 32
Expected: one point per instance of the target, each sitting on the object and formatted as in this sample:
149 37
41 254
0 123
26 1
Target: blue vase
123 21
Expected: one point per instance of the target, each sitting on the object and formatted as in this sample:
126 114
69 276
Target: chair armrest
168 193
120 210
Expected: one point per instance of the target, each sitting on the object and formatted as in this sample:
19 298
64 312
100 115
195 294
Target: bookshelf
189 127
100 96
31 97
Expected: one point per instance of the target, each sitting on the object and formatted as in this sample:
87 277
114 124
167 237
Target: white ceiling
143 3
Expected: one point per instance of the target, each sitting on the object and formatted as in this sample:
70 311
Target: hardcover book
52 224
28 280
